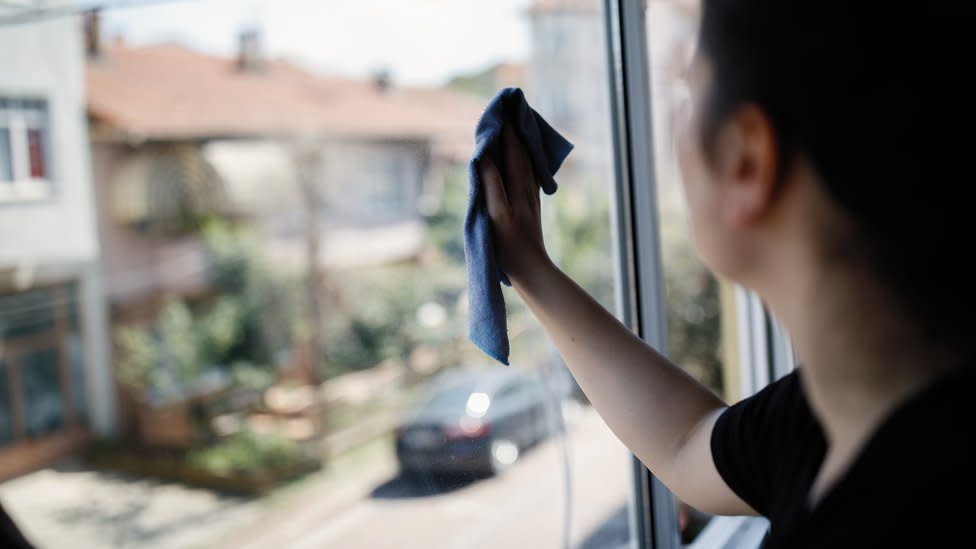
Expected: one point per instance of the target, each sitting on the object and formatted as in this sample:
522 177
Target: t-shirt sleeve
10 535
751 439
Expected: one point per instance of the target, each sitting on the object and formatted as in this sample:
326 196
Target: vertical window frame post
654 518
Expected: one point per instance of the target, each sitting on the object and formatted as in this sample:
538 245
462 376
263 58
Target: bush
248 453
248 320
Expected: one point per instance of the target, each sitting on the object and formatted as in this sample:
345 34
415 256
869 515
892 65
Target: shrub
248 453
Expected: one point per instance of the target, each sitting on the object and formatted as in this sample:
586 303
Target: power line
32 14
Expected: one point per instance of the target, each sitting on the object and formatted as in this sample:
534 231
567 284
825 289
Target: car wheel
504 453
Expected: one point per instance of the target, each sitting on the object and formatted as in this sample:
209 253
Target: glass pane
6 419
41 378
6 160
300 335
36 151
26 314
79 392
35 108
378 181
70 293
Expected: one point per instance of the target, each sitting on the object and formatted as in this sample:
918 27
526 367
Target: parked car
473 421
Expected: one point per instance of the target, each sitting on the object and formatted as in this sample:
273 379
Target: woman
823 162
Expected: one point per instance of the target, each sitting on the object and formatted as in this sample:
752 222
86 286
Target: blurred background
232 289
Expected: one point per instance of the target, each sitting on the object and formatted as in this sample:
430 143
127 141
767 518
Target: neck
861 354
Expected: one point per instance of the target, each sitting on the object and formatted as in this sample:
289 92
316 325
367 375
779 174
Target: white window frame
765 351
18 121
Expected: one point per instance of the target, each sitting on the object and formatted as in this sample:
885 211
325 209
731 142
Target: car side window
508 394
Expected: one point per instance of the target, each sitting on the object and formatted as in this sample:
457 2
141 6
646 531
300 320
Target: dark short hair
878 98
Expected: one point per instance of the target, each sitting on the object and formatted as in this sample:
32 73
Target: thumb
495 195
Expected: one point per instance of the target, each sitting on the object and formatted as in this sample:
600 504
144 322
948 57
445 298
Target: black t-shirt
912 485
10 536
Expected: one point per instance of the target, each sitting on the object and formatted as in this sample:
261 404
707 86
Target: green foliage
577 228
248 453
380 317
576 224
446 226
138 357
250 376
233 255
483 83
376 317
169 356
268 304
693 307
245 323
180 345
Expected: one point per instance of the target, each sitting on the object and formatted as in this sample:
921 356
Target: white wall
56 236
44 60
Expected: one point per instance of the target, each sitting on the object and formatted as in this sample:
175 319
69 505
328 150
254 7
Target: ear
748 161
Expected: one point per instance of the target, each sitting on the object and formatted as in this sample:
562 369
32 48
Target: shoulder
761 445
782 402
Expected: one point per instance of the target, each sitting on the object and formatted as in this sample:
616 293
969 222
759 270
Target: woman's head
847 123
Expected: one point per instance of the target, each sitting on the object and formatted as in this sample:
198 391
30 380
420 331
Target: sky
423 42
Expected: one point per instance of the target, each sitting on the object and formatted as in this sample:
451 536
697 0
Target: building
568 39
55 381
178 136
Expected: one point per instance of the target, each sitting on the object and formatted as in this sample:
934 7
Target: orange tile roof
172 92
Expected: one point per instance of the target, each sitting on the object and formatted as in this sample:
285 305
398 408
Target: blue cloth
487 324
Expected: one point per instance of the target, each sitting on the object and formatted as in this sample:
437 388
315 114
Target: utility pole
309 169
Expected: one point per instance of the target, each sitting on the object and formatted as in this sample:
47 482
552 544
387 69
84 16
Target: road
524 507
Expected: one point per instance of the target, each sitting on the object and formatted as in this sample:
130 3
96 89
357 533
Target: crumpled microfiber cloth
487 324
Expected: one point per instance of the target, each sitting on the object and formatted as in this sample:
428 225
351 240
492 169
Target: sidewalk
72 506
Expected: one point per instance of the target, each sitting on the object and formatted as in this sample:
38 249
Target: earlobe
740 209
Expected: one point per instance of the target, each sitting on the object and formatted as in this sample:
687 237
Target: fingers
523 183
495 196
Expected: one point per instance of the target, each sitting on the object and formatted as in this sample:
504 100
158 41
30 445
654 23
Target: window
75 349
288 338
509 393
6 158
41 381
27 314
35 153
43 363
372 180
24 161
301 337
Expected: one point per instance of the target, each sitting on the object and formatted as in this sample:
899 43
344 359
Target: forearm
649 403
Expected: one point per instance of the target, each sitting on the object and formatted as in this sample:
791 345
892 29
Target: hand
515 211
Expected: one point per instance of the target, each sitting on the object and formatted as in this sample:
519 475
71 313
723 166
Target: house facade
56 383
179 136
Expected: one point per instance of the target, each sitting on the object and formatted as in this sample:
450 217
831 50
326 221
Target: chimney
250 57
93 32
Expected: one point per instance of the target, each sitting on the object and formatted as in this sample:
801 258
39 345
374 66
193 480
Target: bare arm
662 414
